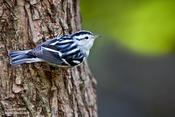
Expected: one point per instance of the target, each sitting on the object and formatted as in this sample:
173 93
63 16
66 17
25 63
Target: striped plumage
67 50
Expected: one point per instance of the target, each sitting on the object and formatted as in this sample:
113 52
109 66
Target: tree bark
39 89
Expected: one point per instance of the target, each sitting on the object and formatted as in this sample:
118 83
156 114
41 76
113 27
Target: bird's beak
96 36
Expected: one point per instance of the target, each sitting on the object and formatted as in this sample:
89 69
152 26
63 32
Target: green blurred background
145 26
134 60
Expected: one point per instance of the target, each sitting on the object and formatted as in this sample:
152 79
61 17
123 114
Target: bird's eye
86 37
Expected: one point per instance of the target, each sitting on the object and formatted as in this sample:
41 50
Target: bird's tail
20 57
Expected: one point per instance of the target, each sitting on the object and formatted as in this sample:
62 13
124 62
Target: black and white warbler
66 50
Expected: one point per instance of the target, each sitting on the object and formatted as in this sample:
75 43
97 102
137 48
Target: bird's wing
53 51
48 54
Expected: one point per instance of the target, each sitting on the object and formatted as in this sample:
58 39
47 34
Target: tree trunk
39 89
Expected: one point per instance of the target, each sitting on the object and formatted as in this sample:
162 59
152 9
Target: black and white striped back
60 51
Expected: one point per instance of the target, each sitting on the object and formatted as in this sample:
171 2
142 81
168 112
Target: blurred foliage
145 26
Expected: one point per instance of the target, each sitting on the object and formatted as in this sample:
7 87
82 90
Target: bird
64 51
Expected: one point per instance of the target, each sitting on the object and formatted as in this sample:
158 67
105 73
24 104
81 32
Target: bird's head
84 39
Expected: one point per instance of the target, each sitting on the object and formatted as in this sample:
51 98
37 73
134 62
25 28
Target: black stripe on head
82 33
